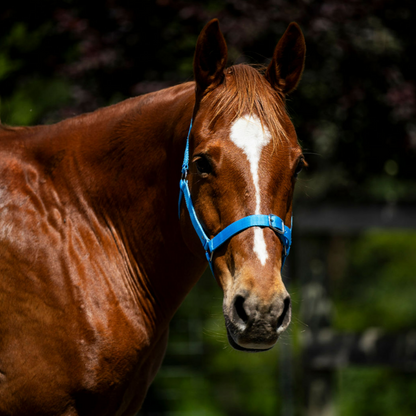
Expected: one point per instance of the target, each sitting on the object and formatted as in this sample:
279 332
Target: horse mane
245 91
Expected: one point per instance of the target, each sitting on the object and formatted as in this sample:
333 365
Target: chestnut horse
94 259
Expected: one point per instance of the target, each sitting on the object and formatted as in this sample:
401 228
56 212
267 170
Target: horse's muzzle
253 326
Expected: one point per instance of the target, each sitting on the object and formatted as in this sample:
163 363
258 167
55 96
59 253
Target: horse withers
95 259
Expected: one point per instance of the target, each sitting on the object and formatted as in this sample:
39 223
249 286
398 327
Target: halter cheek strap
210 245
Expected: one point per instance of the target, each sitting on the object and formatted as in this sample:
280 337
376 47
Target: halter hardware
210 245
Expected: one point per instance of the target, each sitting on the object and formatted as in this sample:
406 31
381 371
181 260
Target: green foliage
24 40
7 65
378 288
375 392
33 99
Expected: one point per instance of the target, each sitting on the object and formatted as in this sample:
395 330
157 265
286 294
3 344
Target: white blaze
248 134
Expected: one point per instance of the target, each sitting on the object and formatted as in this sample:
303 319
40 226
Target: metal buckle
282 231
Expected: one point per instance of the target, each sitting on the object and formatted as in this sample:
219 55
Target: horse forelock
246 92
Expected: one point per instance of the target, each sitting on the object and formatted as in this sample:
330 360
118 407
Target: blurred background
351 348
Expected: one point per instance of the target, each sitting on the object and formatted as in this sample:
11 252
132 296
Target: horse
95 258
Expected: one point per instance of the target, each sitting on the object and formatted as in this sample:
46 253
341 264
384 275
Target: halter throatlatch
272 221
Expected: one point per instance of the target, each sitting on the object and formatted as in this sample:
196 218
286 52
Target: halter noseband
272 221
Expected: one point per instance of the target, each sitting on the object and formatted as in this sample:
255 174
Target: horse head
244 158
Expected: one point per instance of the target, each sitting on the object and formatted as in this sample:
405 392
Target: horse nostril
285 316
239 308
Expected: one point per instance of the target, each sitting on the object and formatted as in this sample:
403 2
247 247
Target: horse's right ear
210 57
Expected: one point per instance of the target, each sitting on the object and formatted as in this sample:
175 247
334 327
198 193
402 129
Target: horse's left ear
285 69
210 57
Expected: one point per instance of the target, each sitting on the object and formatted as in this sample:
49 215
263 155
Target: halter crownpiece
210 245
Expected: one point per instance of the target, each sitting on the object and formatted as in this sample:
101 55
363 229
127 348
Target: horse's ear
285 69
210 57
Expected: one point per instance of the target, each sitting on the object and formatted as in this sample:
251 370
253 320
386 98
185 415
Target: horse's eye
203 166
299 167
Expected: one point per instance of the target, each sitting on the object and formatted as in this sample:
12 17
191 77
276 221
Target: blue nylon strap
192 214
184 171
185 164
238 226
272 221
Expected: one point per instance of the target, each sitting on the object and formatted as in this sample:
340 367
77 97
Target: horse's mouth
256 338
240 348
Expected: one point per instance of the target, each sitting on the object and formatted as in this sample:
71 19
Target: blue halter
272 221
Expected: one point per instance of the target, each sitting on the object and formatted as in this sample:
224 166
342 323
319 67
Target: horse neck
126 165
